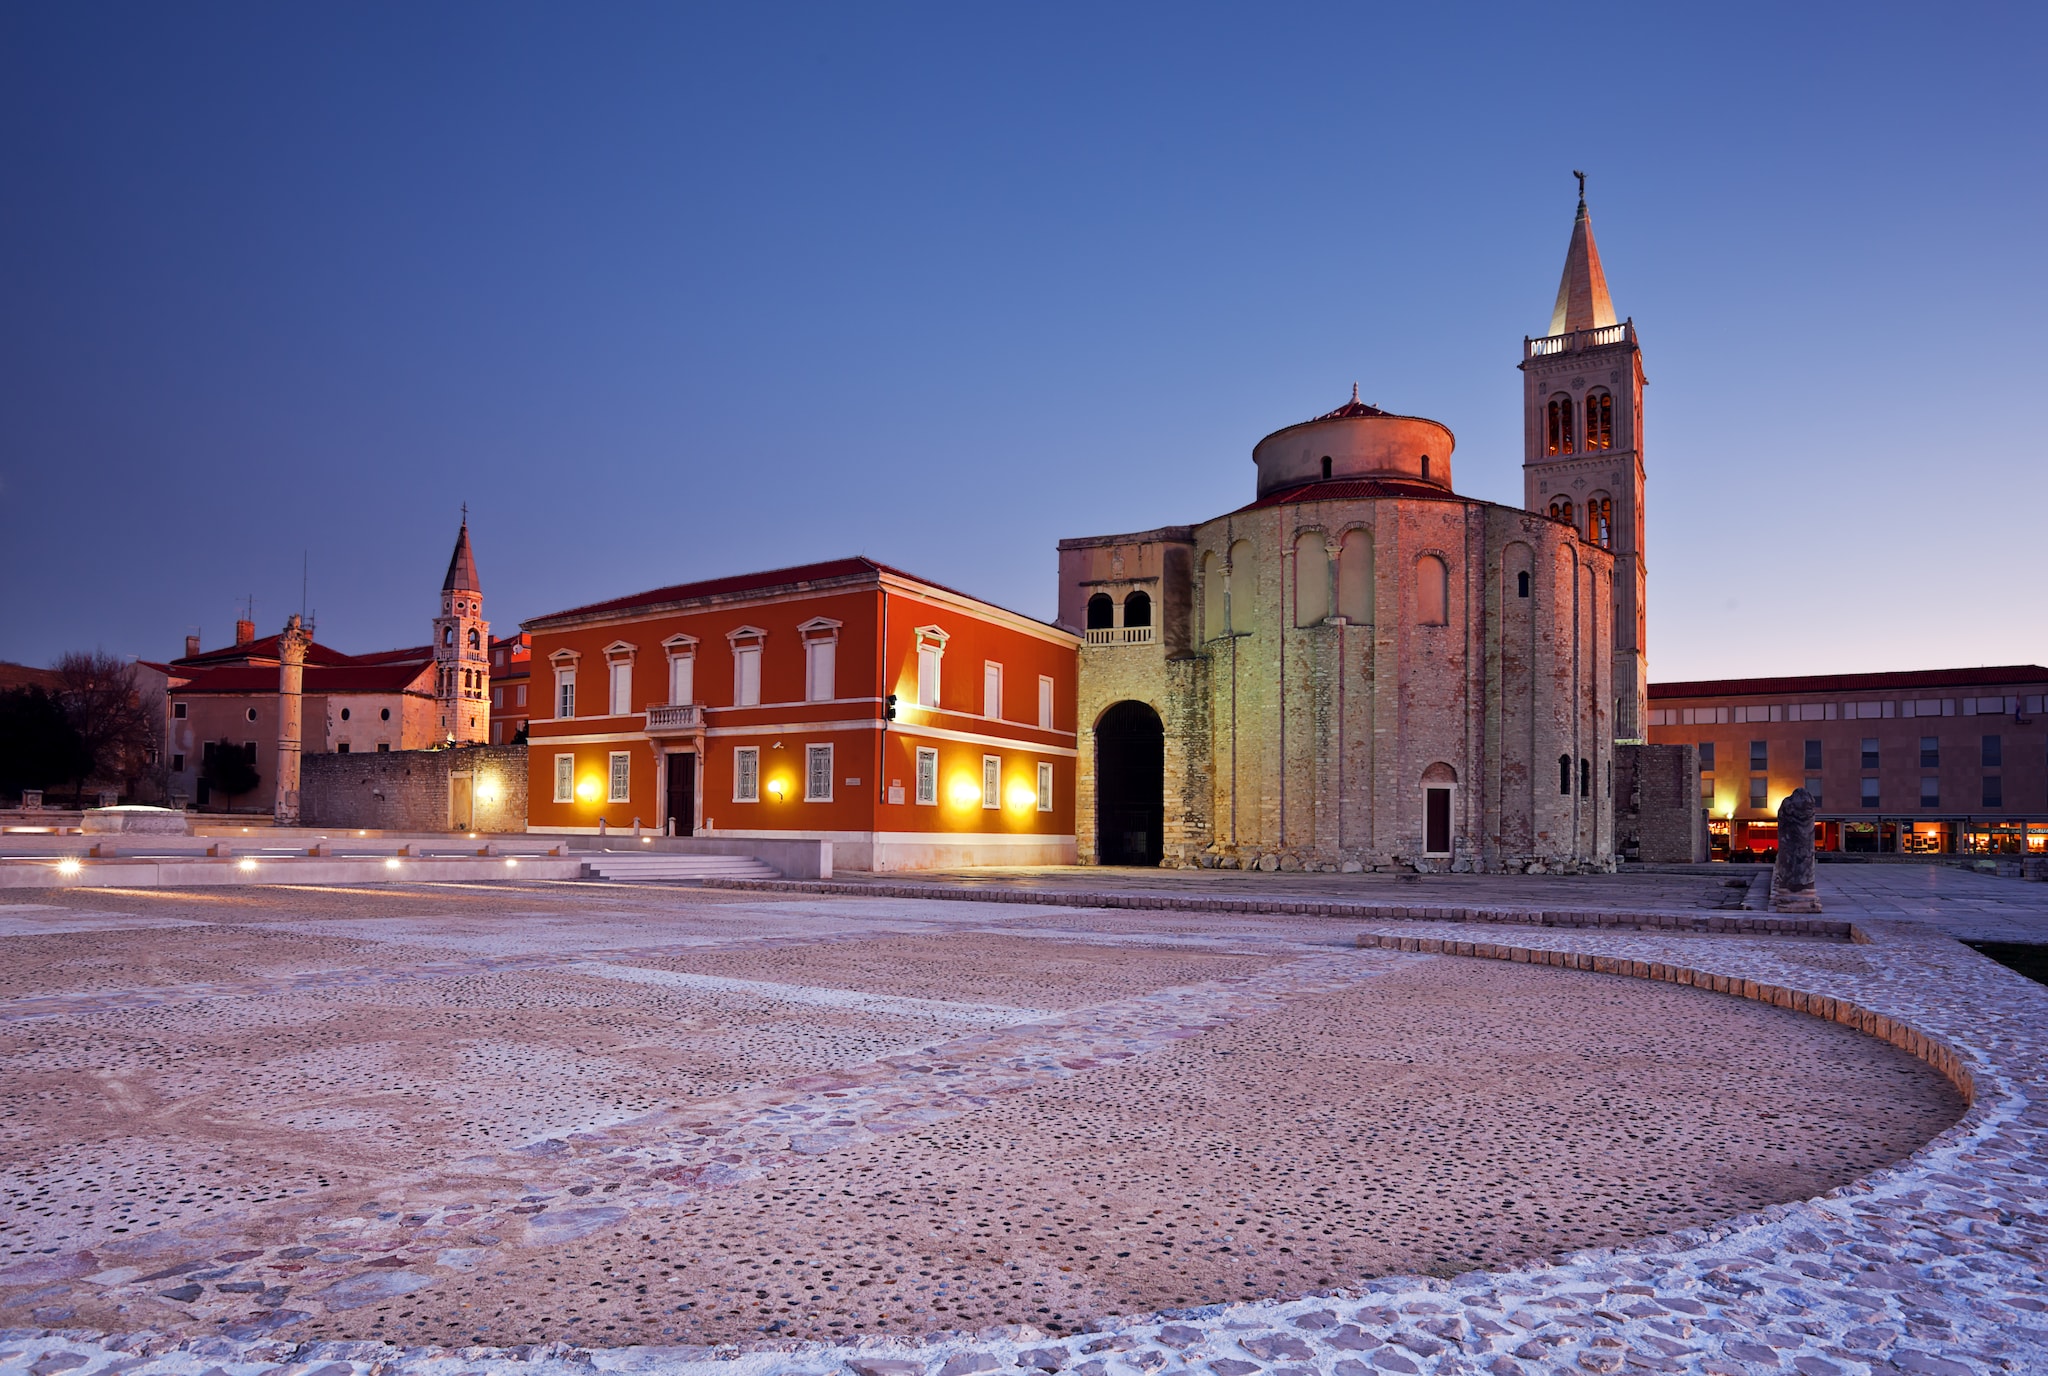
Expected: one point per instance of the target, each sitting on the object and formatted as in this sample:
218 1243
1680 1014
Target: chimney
191 646
245 633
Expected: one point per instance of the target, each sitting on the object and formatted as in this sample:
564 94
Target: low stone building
480 788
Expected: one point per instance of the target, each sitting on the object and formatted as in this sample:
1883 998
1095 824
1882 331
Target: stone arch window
1354 577
1311 579
1561 509
1212 596
1326 468
1439 784
1138 608
1599 420
1522 583
1101 612
1432 591
1561 424
1239 597
1600 520
1564 775
448 635
1585 777
474 640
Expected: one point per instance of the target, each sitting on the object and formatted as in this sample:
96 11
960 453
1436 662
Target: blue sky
665 292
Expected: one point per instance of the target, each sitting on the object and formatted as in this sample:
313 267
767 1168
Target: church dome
1355 441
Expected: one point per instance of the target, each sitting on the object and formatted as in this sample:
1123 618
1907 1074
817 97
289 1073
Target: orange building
910 725
511 670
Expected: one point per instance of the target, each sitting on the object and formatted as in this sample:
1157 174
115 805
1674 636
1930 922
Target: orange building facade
912 726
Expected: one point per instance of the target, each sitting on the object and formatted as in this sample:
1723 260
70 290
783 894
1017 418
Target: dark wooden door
682 791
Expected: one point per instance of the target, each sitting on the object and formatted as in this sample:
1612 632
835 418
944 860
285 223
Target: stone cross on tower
1582 461
462 650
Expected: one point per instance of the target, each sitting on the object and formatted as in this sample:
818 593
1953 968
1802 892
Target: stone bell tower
1582 462
462 651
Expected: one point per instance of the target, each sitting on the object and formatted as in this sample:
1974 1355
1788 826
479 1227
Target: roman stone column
291 673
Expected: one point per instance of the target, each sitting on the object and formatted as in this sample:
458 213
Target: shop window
1994 791
1930 752
1564 775
1994 751
1870 752
1930 791
1759 791
1561 509
621 790
1101 612
927 776
1813 754
817 773
1706 757
1045 786
1561 424
1869 796
1599 421
1813 787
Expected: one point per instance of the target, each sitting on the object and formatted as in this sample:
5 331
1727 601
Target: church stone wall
410 790
1657 814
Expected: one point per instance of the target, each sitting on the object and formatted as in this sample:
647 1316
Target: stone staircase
671 867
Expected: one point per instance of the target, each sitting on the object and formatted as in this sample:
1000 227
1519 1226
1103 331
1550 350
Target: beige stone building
1362 669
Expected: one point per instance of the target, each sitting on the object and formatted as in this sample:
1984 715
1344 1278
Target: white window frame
746 774
820 636
565 778
1045 702
813 754
619 679
749 646
991 676
619 777
991 765
931 657
1045 785
565 692
927 777
682 668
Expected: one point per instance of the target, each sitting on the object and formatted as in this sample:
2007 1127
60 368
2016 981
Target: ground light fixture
67 866
391 864
248 865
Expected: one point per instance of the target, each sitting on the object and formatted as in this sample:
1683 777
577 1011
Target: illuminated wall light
67 867
487 791
964 792
587 790
775 789
1021 796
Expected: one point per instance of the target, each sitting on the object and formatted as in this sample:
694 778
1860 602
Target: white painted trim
978 738
679 642
992 798
996 838
558 778
565 655
820 623
738 751
620 649
941 733
739 633
917 798
830 765
986 611
1045 785
611 777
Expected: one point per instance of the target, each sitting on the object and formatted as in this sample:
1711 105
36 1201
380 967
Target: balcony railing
1120 635
675 716
1578 341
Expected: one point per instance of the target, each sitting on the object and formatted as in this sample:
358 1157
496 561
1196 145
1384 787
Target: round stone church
1362 669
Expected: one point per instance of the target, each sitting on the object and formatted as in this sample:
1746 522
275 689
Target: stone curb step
690 867
1730 923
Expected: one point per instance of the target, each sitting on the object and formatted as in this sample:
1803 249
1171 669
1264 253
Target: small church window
1101 612
474 642
1561 436
447 635
1564 775
1138 609
1599 421
1522 584
1585 778
1561 509
1600 521
1326 468
1432 591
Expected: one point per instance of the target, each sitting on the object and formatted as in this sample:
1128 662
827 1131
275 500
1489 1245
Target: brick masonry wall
413 790
1657 814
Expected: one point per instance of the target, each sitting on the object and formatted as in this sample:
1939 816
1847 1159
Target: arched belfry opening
1130 785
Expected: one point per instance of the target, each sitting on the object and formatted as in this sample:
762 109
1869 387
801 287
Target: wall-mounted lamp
775 789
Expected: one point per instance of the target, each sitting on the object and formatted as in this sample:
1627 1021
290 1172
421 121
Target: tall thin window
1564 775
682 679
820 670
992 690
1432 591
565 693
1311 579
622 687
1326 468
1044 702
817 773
1522 584
746 675
991 781
1812 755
1212 596
1354 577
1045 786
1585 778
565 778
928 675
746 774
1994 751
621 790
1600 521
1561 509
927 776
1599 421
1561 436
1101 612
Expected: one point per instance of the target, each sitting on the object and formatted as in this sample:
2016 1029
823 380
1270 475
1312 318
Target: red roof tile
1355 490
765 581
342 678
1852 683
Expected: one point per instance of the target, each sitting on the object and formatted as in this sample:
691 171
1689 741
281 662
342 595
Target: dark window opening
1521 585
1564 775
1436 824
1994 751
1563 510
1813 754
1425 467
341 749
1930 752
1706 757
1870 752
1326 468
1130 799
1138 609
1101 612
1585 778
1994 790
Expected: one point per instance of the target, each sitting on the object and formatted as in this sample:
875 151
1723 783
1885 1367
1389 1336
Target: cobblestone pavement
491 1114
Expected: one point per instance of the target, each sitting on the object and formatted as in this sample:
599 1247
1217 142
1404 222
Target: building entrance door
461 802
1130 786
682 791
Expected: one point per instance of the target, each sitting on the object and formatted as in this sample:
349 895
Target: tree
38 747
107 711
230 770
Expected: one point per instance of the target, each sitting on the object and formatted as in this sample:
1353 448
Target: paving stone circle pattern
466 1128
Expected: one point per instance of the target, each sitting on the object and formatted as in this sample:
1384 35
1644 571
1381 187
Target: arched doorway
1130 786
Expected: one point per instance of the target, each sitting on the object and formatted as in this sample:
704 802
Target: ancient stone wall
416 790
1657 813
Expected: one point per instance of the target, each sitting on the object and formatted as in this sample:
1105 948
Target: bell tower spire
1582 463
462 650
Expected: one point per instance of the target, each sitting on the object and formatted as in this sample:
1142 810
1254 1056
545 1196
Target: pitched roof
26 676
1355 490
265 648
1582 300
1853 683
343 678
461 566
859 568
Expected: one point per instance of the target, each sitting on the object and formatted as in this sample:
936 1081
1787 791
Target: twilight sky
666 291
